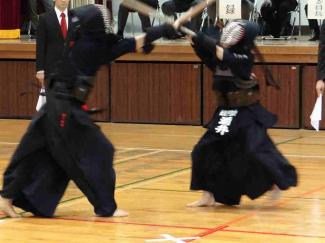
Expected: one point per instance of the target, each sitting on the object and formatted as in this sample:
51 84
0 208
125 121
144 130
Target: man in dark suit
320 85
313 26
50 39
123 13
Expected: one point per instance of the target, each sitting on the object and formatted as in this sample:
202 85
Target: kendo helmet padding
92 18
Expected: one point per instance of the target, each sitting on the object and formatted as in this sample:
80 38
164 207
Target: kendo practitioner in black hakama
62 143
236 156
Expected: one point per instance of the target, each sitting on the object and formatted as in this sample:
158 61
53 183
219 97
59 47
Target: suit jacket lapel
55 22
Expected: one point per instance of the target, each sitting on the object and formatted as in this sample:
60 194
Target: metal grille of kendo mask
232 34
106 18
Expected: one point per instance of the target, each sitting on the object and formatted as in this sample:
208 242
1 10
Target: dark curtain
9 14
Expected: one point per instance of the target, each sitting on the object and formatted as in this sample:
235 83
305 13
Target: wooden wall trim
179 52
14 49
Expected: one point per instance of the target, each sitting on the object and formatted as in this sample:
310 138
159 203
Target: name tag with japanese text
226 118
230 9
316 9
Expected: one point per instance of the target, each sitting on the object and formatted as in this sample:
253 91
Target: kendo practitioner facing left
62 143
236 156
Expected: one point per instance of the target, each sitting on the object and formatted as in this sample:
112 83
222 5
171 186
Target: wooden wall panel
209 99
309 95
156 93
283 102
15 79
99 97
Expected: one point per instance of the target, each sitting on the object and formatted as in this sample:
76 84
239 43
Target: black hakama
52 152
237 157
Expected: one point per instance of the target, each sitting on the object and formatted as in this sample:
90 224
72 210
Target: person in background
313 26
172 7
33 16
276 16
53 29
123 13
321 62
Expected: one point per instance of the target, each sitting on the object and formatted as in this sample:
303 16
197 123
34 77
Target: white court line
7 143
138 156
122 151
158 150
158 134
189 151
167 237
305 156
162 149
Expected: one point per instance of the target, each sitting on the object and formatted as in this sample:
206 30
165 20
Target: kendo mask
239 32
92 19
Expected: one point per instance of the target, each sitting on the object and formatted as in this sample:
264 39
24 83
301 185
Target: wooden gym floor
153 173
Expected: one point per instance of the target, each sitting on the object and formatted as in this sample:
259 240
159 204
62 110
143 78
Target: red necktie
63 25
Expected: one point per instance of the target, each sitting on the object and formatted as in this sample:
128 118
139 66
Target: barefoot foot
206 200
120 213
275 194
7 208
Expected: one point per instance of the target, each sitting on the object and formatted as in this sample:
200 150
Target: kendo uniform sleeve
122 47
241 64
205 47
154 33
321 54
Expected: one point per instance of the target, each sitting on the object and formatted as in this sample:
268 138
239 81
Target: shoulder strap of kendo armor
269 79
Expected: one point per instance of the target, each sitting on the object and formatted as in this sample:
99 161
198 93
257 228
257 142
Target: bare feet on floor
275 194
7 208
206 200
120 213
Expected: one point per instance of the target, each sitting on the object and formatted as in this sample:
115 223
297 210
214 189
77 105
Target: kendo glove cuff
154 33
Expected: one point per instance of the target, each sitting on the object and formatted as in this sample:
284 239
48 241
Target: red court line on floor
273 233
238 219
285 201
98 220
207 231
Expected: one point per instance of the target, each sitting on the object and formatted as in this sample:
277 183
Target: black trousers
61 144
276 15
123 14
312 23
